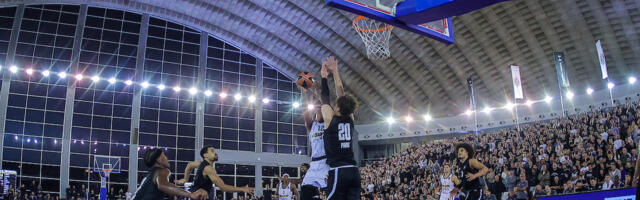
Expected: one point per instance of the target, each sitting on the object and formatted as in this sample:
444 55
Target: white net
375 35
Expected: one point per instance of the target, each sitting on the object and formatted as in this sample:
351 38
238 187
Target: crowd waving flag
517 84
601 58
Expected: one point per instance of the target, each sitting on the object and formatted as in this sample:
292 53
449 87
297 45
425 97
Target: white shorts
317 174
445 196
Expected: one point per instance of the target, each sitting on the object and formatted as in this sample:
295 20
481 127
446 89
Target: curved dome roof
422 75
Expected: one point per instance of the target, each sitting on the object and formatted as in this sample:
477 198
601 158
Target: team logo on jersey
318 134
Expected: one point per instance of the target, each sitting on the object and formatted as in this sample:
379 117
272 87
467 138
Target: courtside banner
616 194
517 84
603 62
563 78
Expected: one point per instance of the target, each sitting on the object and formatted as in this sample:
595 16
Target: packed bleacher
584 152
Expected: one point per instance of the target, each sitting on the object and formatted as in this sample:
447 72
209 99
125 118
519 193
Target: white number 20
344 132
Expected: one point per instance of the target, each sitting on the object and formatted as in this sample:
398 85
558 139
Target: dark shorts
471 195
343 183
309 192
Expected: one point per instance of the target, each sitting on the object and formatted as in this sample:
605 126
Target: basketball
305 80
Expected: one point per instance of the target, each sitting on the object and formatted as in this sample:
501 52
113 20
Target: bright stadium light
128 82
62 74
632 80
29 71
529 103
487 110
265 100
548 99
161 87
144 84
112 80
13 69
610 85
223 95
390 120
237 97
469 112
79 77
310 107
509 105
570 95
252 99
177 89
45 73
193 91
408 119
95 78
208 93
427 117
589 91
296 104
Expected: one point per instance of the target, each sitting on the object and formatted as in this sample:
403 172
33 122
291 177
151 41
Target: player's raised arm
308 121
332 66
325 98
187 172
211 173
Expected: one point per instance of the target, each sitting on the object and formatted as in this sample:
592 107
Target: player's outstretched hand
324 72
199 195
179 182
248 190
332 64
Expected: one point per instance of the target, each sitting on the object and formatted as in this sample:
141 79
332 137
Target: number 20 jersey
338 142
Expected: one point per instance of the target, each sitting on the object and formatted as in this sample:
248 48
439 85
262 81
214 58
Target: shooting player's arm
187 172
213 176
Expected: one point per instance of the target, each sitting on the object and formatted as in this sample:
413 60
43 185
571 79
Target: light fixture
45 73
112 80
35 141
55 141
509 105
310 107
13 69
29 140
252 99
632 80
95 78
144 84
589 91
128 82
177 89
193 91
427 117
487 110
610 85
390 120
548 99
29 71
237 97
161 87
15 137
529 103
408 119
265 100
469 112
570 95
296 104
223 95
79 76
208 93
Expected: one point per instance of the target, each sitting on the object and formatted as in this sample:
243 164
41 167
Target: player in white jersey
446 183
316 176
286 189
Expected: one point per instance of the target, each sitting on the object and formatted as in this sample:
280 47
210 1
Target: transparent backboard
110 164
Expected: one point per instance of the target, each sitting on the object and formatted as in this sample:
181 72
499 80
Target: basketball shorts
316 175
344 183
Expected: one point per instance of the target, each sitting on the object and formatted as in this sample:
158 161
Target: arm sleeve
325 97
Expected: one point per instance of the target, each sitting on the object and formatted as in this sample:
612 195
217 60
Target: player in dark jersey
156 184
468 173
344 177
206 175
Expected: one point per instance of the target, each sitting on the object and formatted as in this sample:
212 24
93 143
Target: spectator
544 177
607 184
510 181
496 187
522 186
487 195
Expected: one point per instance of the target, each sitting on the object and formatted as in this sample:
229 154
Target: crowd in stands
32 192
584 152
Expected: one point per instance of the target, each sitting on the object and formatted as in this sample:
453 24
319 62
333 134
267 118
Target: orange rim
358 18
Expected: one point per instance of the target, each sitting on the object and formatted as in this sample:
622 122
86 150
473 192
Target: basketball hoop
375 35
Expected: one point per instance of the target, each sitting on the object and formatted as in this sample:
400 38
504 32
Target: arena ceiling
422 75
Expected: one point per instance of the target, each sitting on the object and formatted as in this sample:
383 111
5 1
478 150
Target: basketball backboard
109 164
384 11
